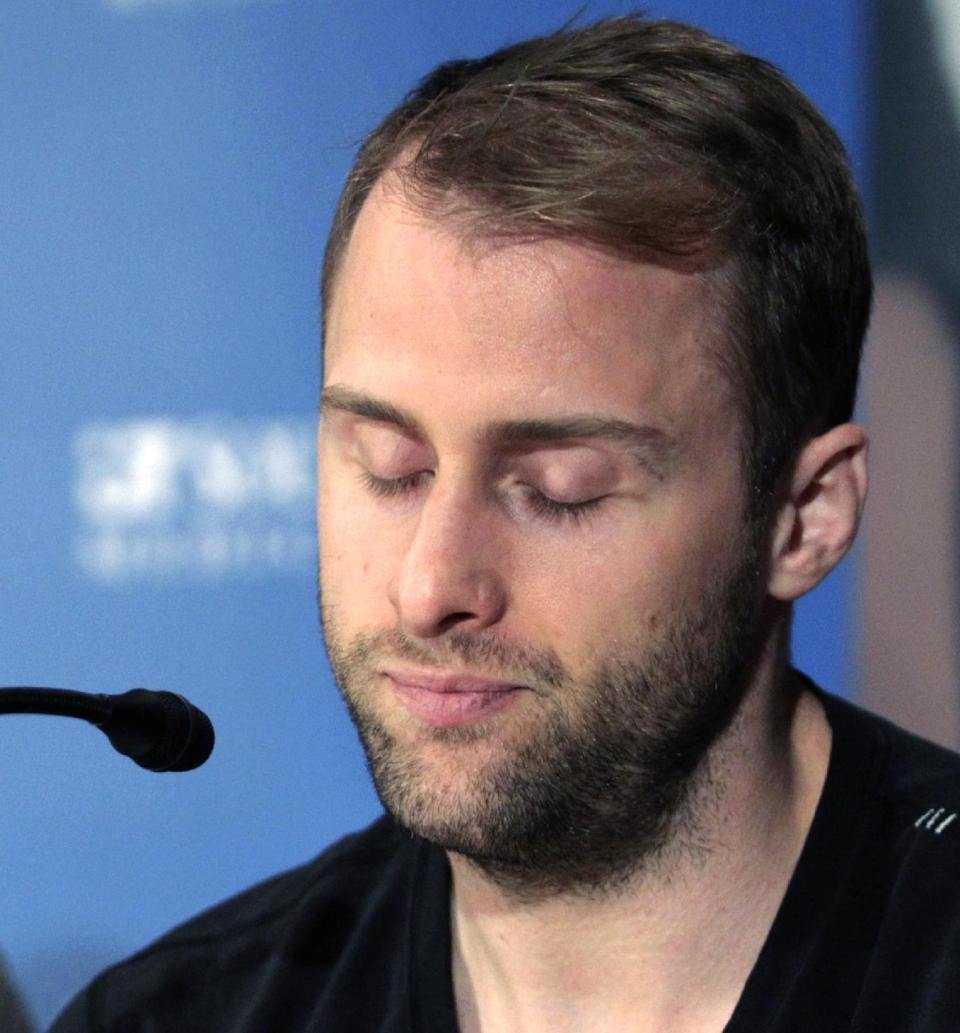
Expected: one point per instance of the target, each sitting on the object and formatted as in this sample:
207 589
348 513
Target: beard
609 776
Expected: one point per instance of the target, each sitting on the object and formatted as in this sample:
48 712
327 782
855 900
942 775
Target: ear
817 522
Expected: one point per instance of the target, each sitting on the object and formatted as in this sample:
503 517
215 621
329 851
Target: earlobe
818 520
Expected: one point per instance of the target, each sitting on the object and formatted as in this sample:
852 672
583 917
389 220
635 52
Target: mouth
451 699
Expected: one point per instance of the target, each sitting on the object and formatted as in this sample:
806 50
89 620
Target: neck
671 948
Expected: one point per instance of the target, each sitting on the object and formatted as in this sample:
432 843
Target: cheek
351 547
356 557
595 602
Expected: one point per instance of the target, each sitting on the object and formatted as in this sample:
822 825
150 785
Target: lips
446 700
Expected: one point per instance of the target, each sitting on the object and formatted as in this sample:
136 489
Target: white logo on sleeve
936 819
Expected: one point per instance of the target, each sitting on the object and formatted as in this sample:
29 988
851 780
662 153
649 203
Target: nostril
453 619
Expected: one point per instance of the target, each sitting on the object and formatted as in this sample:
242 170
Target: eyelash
542 505
550 509
389 487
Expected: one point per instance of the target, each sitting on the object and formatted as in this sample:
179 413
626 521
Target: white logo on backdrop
162 497
145 5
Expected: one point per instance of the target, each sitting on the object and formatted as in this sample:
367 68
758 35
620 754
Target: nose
449 575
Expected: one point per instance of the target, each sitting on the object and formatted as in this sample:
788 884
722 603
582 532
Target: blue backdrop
168 172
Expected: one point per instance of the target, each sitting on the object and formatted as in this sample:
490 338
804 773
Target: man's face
536 584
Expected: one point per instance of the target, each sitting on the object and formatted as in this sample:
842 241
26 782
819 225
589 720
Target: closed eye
550 509
541 505
389 487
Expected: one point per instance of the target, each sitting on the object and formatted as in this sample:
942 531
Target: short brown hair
651 137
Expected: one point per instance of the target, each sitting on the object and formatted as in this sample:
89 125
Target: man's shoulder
885 883
354 864
292 930
867 938
909 775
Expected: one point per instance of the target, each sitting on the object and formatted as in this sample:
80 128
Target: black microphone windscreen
161 731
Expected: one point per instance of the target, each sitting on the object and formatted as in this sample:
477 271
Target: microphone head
160 731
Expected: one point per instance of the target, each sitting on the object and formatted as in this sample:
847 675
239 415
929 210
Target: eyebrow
345 399
648 444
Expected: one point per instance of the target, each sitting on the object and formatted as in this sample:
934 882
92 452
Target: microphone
160 731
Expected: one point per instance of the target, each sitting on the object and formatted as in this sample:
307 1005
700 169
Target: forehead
544 322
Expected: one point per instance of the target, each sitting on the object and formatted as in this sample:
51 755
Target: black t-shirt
867 938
